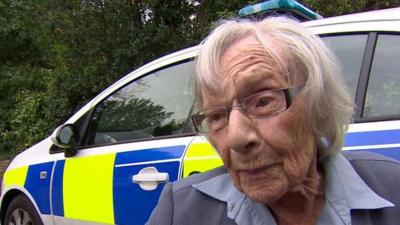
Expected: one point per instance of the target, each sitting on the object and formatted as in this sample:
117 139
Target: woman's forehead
242 50
246 65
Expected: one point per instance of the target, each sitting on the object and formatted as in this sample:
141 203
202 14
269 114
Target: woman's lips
257 171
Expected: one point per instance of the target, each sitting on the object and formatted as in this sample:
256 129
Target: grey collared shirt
345 190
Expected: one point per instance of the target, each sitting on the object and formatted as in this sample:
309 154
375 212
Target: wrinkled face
266 157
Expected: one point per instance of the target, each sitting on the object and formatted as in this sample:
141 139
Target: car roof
371 16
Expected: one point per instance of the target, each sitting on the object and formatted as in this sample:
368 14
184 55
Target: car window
383 93
152 106
349 49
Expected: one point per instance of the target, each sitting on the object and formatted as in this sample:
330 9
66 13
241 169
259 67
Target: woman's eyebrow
249 83
219 100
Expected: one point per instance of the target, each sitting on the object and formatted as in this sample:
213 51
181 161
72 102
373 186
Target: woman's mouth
258 172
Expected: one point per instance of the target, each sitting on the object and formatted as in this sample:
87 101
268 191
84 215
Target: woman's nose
242 135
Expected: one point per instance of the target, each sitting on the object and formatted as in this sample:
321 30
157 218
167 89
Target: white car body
63 178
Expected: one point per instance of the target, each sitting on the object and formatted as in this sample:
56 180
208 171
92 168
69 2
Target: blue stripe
133 205
151 154
57 194
388 152
40 188
372 138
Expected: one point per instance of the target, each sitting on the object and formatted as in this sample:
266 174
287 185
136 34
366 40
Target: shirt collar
221 188
345 190
239 207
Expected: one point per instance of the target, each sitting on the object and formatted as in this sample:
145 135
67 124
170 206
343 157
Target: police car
108 163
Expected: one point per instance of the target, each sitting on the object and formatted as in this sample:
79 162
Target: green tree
56 55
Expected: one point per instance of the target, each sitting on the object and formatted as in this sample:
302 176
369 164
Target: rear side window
152 106
349 49
383 93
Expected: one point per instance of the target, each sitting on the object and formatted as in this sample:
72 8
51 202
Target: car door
369 53
379 119
135 141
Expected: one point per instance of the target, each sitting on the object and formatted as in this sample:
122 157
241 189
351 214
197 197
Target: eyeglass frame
289 93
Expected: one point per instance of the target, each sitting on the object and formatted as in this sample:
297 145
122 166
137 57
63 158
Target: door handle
148 178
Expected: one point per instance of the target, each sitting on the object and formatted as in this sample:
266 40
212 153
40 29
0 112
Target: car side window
383 93
349 49
155 105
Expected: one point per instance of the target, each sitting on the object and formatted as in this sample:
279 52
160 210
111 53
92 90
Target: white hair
302 55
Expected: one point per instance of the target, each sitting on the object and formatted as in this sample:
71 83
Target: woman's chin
266 192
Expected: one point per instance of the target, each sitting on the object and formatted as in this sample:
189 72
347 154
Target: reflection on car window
155 105
349 49
383 93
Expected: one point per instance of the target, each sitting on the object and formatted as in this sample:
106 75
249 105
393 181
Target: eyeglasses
262 104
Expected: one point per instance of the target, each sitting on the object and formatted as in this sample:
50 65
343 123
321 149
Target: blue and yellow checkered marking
92 189
87 188
200 157
15 177
57 194
100 189
132 205
39 186
36 184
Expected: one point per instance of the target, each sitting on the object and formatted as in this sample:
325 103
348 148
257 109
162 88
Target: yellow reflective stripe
200 157
15 177
88 188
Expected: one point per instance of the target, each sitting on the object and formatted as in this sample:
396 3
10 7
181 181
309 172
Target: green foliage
29 121
56 55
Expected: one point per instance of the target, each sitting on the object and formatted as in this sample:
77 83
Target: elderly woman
274 106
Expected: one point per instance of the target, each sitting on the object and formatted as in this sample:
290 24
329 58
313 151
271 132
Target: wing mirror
66 137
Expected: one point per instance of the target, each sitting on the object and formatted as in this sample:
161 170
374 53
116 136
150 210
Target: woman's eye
216 117
262 102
